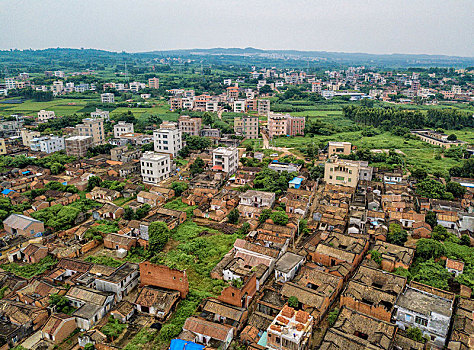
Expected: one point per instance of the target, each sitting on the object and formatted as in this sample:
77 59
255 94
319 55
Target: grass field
59 106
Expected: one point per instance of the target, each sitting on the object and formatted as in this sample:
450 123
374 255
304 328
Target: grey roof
288 261
19 221
424 303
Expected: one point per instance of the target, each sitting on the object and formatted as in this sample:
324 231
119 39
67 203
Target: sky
371 26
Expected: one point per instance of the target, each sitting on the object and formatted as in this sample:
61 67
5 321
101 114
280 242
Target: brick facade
164 277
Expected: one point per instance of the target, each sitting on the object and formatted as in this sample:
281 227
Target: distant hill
83 58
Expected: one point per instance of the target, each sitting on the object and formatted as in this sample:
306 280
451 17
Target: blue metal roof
7 191
297 181
179 344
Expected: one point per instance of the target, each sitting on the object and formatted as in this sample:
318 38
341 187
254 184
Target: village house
58 327
123 311
108 211
119 241
20 320
216 311
163 277
406 219
171 218
258 199
315 291
156 301
92 305
100 194
290 330
34 252
454 267
426 308
463 326
287 266
373 292
393 256
17 224
120 282
339 248
356 331
219 205
214 335
37 292
152 199
421 229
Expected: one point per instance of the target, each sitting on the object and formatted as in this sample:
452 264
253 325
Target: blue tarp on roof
296 181
7 191
263 340
179 344
65 183
26 172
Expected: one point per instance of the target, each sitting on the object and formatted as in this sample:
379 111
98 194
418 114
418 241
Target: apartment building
263 107
239 106
316 87
190 126
99 113
341 172
107 97
335 148
247 126
77 146
27 136
123 128
290 330
232 93
155 167
154 83
57 87
168 139
295 126
44 116
47 144
277 124
225 159
92 127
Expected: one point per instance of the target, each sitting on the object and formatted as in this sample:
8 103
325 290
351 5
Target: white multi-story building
47 144
44 116
99 113
10 83
225 159
239 106
57 87
122 128
168 139
107 97
136 86
155 167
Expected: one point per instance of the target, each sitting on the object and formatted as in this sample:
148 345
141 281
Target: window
421 321
340 178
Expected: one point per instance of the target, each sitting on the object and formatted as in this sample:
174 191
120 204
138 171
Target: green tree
179 187
264 215
279 218
452 137
197 167
396 235
415 334
430 219
94 181
332 317
419 173
233 216
431 188
456 189
244 229
429 248
293 302
440 233
158 235
465 240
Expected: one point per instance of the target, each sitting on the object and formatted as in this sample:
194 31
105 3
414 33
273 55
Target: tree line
387 118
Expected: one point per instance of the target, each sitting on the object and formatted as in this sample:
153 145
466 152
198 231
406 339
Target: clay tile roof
454 264
302 316
210 329
287 311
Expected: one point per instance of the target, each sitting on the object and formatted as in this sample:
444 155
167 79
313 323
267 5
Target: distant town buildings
122 128
77 146
107 97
